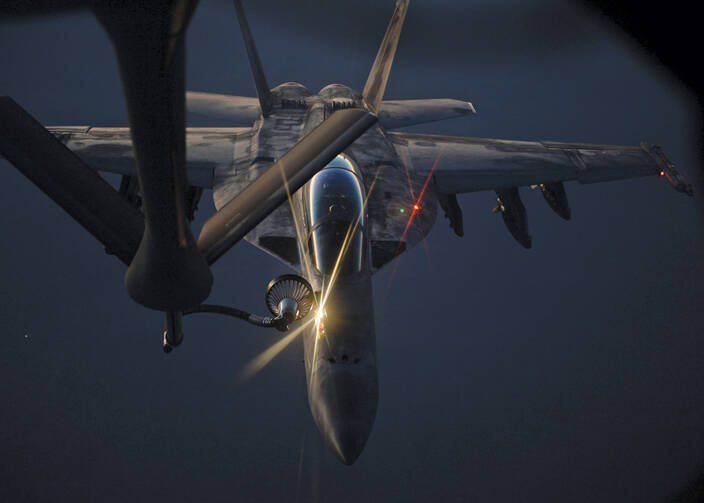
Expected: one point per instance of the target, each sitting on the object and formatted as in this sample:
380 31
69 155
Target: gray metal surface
393 114
472 164
341 367
373 91
403 113
289 173
397 181
110 149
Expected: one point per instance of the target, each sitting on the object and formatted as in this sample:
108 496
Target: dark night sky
570 372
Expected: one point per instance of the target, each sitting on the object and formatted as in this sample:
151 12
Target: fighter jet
321 182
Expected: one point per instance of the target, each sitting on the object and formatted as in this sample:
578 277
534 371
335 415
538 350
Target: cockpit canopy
337 210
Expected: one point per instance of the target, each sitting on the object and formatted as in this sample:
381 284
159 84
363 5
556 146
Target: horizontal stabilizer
66 179
244 111
402 113
239 110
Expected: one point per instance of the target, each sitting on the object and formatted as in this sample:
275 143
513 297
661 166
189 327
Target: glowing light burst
425 247
326 289
269 354
315 355
408 174
346 242
416 206
296 223
259 362
415 209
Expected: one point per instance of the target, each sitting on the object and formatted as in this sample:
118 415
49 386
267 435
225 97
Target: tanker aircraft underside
320 182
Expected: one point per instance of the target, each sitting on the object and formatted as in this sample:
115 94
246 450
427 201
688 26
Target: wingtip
472 110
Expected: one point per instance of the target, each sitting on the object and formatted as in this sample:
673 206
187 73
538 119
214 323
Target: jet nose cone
344 409
346 443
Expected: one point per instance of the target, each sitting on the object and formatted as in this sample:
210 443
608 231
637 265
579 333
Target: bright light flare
261 361
326 289
665 175
296 224
408 174
346 242
416 205
416 208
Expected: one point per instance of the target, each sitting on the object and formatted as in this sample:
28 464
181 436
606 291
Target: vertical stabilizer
255 64
378 76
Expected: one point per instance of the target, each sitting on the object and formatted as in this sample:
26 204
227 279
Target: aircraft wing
460 165
474 164
110 149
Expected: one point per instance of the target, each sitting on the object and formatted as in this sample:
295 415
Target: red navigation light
662 173
416 207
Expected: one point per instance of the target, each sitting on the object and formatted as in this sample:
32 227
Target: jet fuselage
347 221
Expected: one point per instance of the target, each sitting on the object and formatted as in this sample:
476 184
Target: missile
514 214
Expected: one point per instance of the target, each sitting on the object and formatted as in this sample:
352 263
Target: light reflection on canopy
336 201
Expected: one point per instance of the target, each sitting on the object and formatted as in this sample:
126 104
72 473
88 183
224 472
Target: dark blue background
573 371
